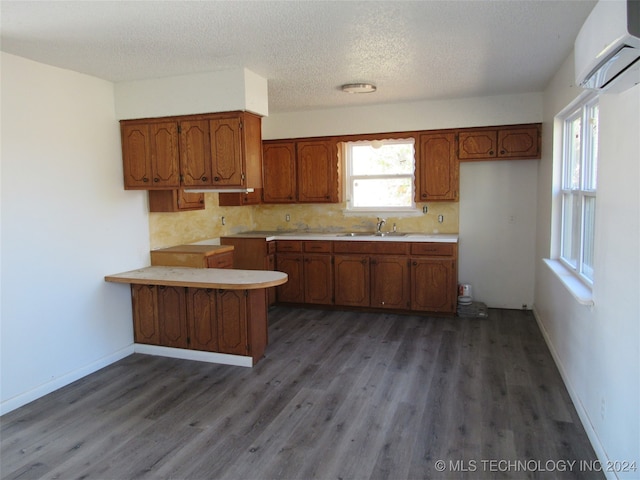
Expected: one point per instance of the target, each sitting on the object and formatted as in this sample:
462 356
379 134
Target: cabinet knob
156 179
490 152
424 195
502 152
217 179
415 263
145 179
204 179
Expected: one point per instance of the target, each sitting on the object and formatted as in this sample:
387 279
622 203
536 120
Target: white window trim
577 284
409 211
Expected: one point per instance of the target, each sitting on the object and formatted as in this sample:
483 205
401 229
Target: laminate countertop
350 236
223 278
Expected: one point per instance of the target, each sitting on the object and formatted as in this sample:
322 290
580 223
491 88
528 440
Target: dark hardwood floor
339 395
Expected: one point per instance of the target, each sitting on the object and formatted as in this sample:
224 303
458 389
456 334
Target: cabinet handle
217 179
502 152
424 195
145 179
491 152
204 179
415 263
156 179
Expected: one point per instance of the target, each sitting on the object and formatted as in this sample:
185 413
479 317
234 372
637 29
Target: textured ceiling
307 49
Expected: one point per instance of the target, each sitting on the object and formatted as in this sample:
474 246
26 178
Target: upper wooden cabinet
437 168
301 172
279 173
317 171
222 150
150 155
175 200
510 142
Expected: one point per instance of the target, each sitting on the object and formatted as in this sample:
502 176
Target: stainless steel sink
375 234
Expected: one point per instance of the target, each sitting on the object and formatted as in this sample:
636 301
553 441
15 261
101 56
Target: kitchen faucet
381 222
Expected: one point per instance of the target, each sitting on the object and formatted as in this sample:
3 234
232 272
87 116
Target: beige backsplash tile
168 229
331 217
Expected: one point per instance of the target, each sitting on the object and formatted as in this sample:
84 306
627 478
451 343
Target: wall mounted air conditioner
607 49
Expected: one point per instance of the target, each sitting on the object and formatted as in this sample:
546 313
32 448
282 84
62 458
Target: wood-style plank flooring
339 395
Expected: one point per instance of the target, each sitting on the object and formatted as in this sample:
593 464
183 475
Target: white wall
66 222
497 199
221 91
597 349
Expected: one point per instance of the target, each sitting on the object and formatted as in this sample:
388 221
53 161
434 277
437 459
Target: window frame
585 192
350 177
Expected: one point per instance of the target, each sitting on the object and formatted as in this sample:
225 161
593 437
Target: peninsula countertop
223 278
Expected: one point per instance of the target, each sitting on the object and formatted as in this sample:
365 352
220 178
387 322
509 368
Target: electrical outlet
287 217
440 218
223 221
425 209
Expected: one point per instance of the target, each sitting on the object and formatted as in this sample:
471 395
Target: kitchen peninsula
207 314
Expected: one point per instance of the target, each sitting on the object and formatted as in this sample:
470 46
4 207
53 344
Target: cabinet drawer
388 248
433 249
221 260
317 247
289 245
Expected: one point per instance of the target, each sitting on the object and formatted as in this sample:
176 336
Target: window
579 173
380 175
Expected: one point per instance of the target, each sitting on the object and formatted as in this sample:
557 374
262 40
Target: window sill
579 290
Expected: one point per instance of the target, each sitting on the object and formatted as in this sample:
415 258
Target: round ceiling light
358 88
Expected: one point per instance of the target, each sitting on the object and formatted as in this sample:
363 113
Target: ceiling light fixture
358 88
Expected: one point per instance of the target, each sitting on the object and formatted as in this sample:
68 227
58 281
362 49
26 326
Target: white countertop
404 237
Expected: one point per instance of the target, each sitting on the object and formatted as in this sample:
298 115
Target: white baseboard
200 356
582 413
59 382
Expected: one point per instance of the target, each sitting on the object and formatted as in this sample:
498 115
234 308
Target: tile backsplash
168 229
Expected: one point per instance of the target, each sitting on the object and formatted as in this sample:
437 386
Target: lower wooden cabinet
380 281
213 320
172 317
253 254
390 282
351 280
309 267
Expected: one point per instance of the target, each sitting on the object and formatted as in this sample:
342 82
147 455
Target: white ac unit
607 49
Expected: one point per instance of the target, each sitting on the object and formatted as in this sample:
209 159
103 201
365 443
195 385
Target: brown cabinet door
232 322
202 319
175 201
144 301
477 144
165 163
293 290
390 282
318 279
433 285
136 155
195 153
317 167
352 277
150 155
172 316
279 173
437 168
518 143
226 152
